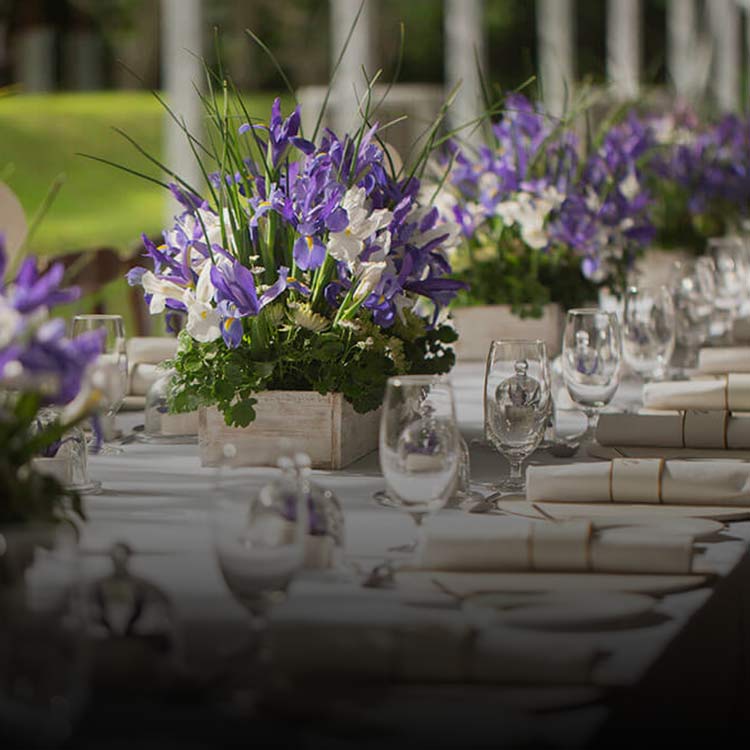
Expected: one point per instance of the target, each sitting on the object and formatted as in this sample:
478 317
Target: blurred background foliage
41 133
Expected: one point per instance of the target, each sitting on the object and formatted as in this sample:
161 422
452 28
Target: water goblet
114 361
517 404
259 538
731 278
420 450
648 330
592 351
693 292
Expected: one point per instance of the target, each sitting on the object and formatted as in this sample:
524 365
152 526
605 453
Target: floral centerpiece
698 172
39 366
307 267
540 221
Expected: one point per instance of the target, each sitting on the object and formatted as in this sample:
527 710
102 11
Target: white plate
558 611
639 513
464 585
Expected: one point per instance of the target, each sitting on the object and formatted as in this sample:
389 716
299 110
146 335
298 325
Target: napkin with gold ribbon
686 429
642 480
718 360
486 544
723 393
383 641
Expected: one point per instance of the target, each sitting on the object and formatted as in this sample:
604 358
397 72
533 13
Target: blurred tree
131 29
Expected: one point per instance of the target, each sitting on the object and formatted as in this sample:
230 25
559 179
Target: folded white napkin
145 354
725 393
383 641
741 330
723 359
642 480
502 544
151 349
686 429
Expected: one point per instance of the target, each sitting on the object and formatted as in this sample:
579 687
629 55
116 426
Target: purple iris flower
186 198
236 284
309 252
49 353
33 289
135 275
282 133
231 324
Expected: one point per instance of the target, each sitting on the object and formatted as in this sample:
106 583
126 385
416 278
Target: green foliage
353 358
28 496
97 207
526 279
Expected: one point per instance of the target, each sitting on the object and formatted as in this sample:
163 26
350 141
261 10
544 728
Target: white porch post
359 54
464 34
724 19
181 35
681 45
556 34
624 47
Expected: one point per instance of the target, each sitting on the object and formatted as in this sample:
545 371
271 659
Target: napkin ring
705 429
630 478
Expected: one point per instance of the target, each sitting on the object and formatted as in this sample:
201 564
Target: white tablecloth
157 498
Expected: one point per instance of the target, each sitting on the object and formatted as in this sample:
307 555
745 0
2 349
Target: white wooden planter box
479 326
325 427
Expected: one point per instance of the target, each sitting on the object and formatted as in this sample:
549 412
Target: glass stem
592 417
516 470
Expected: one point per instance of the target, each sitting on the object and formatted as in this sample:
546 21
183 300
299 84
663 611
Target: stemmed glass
259 541
420 449
693 292
731 278
517 404
648 330
592 350
114 358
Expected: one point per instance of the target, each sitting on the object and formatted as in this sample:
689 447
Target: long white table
691 654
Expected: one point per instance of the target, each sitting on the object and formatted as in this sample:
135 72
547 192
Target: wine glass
420 449
648 330
259 538
731 279
693 292
114 360
592 350
517 404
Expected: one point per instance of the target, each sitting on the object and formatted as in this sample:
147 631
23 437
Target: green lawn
98 206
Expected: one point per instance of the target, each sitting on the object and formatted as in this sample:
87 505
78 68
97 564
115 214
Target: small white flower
203 319
346 246
304 317
508 211
593 203
369 277
160 290
10 319
630 187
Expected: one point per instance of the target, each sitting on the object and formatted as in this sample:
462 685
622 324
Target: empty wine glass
592 350
648 330
693 292
731 279
115 360
517 403
259 538
420 449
